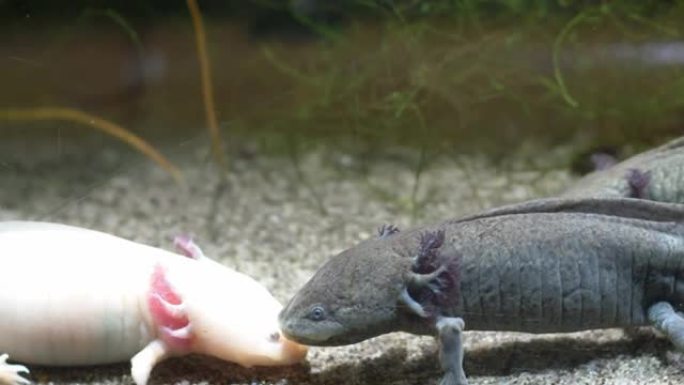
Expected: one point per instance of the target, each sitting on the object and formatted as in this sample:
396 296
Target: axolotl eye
317 313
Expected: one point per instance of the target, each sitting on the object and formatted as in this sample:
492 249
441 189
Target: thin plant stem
207 85
106 126
557 45
420 167
301 176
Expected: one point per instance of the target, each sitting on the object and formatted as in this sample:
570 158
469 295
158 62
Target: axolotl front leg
186 246
168 311
429 282
175 330
10 374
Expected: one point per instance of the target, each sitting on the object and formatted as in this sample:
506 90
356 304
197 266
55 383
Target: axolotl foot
175 332
432 276
671 323
11 374
638 181
386 230
186 246
143 362
450 337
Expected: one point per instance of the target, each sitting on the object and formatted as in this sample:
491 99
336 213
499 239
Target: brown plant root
207 87
113 129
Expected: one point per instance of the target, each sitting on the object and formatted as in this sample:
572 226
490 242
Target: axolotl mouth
351 298
197 316
325 328
309 332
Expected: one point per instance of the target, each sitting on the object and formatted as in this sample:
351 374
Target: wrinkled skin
546 266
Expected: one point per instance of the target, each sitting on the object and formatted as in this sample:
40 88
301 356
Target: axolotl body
72 296
546 266
656 174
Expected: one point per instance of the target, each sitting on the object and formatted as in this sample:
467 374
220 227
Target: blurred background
451 75
332 118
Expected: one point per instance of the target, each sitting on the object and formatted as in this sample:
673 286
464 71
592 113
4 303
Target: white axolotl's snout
231 316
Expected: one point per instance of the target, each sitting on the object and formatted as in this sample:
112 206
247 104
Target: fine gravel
277 218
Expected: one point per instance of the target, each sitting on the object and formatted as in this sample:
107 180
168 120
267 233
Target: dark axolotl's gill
546 266
657 174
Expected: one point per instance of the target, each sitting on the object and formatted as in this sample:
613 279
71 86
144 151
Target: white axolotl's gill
71 296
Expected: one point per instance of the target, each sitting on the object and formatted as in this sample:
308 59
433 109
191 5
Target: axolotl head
204 307
352 297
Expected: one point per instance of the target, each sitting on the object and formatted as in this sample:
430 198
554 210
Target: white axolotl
71 296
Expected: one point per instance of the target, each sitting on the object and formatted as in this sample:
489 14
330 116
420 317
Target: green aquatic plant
295 153
479 74
557 47
484 76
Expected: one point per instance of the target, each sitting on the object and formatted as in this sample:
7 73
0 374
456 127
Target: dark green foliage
441 76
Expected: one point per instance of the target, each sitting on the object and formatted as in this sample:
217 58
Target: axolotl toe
546 266
71 296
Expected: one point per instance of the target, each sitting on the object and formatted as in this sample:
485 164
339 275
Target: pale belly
72 296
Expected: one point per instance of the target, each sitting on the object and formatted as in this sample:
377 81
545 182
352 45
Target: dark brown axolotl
546 266
657 174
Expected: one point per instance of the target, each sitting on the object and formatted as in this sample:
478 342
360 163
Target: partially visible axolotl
657 174
546 266
71 296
